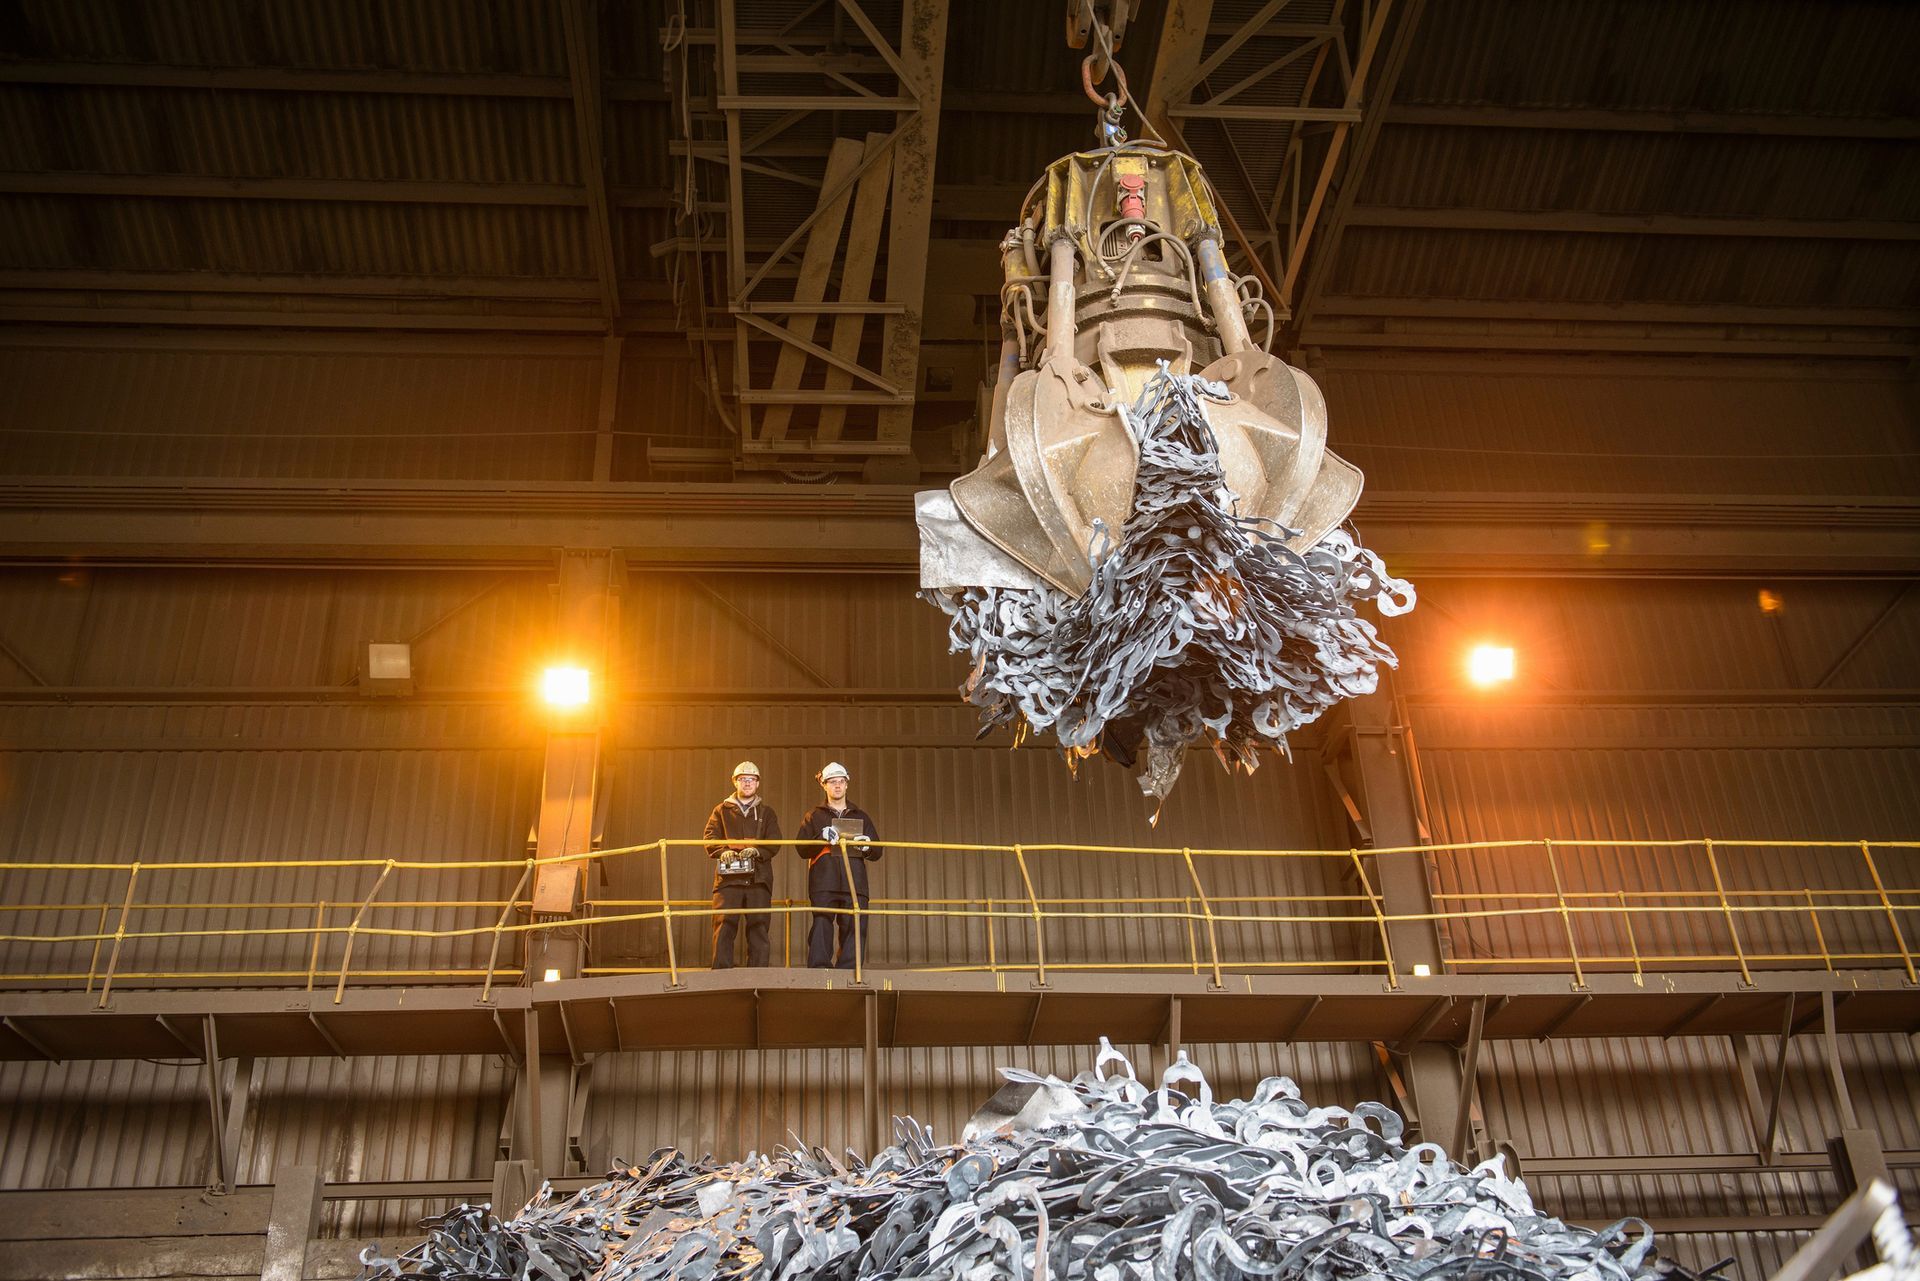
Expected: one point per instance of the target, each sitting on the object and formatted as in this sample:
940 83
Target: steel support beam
581 22
1365 136
1183 34
514 1183
165 521
564 824
802 1008
1371 747
923 56
292 1223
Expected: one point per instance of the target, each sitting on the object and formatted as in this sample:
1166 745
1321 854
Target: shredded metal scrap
1094 1179
1199 622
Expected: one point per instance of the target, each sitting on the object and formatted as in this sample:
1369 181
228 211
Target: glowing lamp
551 976
1421 970
1490 664
566 687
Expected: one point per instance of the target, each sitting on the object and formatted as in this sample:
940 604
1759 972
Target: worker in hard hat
740 834
830 940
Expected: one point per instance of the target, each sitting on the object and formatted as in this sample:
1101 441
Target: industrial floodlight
1490 664
386 669
566 688
1421 970
551 976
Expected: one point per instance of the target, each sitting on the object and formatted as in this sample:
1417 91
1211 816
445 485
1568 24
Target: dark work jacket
826 874
728 825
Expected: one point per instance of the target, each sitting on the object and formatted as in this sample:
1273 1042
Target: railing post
1626 919
859 948
666 920
1566 917
353 931
1039 917
1819 935
1379 918
99 936
313 953
493 953
119 933
1726 908
993 957
1886 905
1213 937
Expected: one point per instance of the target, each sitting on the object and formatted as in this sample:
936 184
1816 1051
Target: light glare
1421 970
1490 664
552 976
565 686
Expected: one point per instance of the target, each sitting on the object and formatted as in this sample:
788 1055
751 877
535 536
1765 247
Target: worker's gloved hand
831 835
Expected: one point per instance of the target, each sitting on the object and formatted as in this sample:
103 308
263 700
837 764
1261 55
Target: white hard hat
834 769
746 767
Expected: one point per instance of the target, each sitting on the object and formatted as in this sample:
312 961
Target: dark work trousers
830 940
731 899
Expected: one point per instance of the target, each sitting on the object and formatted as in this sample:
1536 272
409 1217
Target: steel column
293 1222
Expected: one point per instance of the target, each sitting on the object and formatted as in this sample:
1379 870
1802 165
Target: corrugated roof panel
1545 266
157 412
134 233
1705 175
1722 55
1420 425
435 35
53 129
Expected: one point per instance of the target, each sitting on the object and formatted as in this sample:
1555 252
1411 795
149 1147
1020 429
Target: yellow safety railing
1554 904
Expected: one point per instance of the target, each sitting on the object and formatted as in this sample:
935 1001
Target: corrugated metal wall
922 775
394 407
145 1123
229 749
1611 734
1538 428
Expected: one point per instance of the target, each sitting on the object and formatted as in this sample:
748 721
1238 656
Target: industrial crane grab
1152 549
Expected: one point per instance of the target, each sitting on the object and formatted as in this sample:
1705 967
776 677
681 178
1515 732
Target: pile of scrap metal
1151 550
1095 1179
